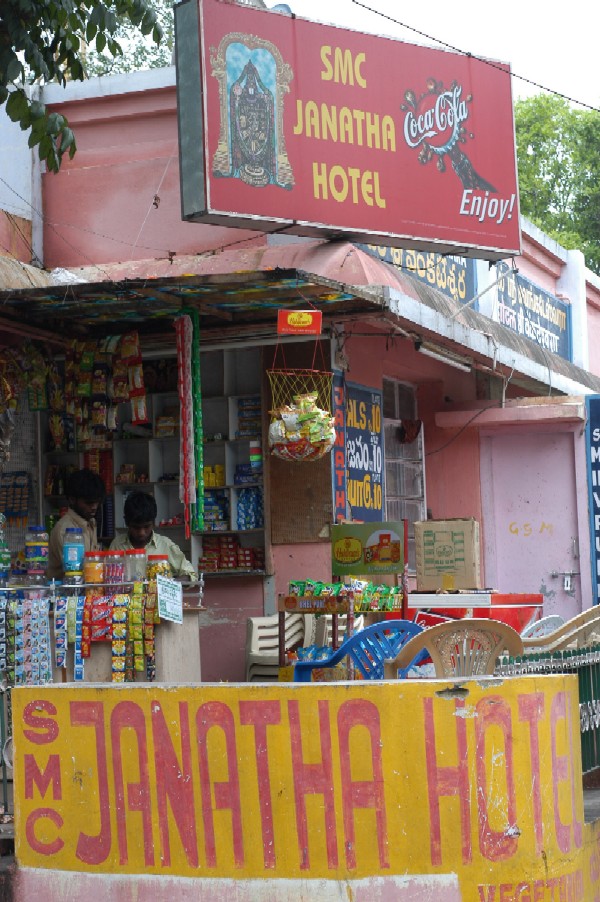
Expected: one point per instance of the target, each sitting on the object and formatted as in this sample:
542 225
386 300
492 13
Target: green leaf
100 42
67 139
148 23
53 160
75 22
77 73
46 145
55 123
16 106
37 109
14 70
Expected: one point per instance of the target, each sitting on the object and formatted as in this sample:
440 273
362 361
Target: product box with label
447 553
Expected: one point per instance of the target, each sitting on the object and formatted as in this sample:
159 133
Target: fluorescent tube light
444 358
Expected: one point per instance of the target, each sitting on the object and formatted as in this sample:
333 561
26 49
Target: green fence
585 662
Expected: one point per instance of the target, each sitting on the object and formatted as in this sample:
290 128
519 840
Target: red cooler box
518 609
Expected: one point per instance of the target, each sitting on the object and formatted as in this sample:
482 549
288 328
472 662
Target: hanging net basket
301 423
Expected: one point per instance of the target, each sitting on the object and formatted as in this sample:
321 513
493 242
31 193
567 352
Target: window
404 462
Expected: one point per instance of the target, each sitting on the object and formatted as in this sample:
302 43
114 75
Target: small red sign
299 322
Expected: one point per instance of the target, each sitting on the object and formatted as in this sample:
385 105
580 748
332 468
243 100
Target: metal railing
585 663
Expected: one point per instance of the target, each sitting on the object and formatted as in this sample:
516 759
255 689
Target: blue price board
530 311
365 459
592 437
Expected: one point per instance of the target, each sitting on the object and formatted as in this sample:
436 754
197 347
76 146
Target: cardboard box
448 555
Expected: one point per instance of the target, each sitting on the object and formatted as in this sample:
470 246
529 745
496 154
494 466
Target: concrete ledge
61 886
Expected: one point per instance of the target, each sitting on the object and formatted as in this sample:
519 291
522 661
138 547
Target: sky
555 46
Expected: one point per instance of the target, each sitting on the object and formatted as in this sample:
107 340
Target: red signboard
299 322
313 129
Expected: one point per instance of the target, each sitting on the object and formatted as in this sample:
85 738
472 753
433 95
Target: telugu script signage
592 437
338 454
335 783
318 130
453 275
533 313
361 487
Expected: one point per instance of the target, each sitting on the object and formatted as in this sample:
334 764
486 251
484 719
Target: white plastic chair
458 648
579 631
262 642
324 628
542 627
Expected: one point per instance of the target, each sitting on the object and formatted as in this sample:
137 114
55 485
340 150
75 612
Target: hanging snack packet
139 411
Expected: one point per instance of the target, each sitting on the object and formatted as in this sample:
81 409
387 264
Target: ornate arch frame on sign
222 161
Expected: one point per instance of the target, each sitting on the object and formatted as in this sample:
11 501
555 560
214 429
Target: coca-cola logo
435 124
436 119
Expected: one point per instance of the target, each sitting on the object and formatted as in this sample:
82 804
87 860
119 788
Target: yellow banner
337 781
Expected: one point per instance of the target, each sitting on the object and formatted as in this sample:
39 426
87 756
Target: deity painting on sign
252 129
252 82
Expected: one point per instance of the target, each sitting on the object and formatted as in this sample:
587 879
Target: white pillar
571 284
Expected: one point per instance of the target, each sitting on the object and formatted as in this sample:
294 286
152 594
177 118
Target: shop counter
177 652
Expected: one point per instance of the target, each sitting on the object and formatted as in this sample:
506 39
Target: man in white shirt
85 494
139 512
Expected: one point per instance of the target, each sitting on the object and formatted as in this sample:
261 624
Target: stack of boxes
216 511
249 417
214 476
447 553
225 553
250 513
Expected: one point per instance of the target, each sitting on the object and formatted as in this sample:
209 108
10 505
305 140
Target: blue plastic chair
367 649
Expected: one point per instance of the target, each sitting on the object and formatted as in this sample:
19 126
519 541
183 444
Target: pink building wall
538 264
229 602
15 237
593 318
452 473
119 198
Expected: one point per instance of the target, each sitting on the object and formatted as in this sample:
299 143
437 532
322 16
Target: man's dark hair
140 507
85 484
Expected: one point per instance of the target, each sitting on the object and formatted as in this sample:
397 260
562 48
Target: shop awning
238 292
234 292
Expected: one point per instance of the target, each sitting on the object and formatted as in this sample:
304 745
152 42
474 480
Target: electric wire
481 59
156 198
463 427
